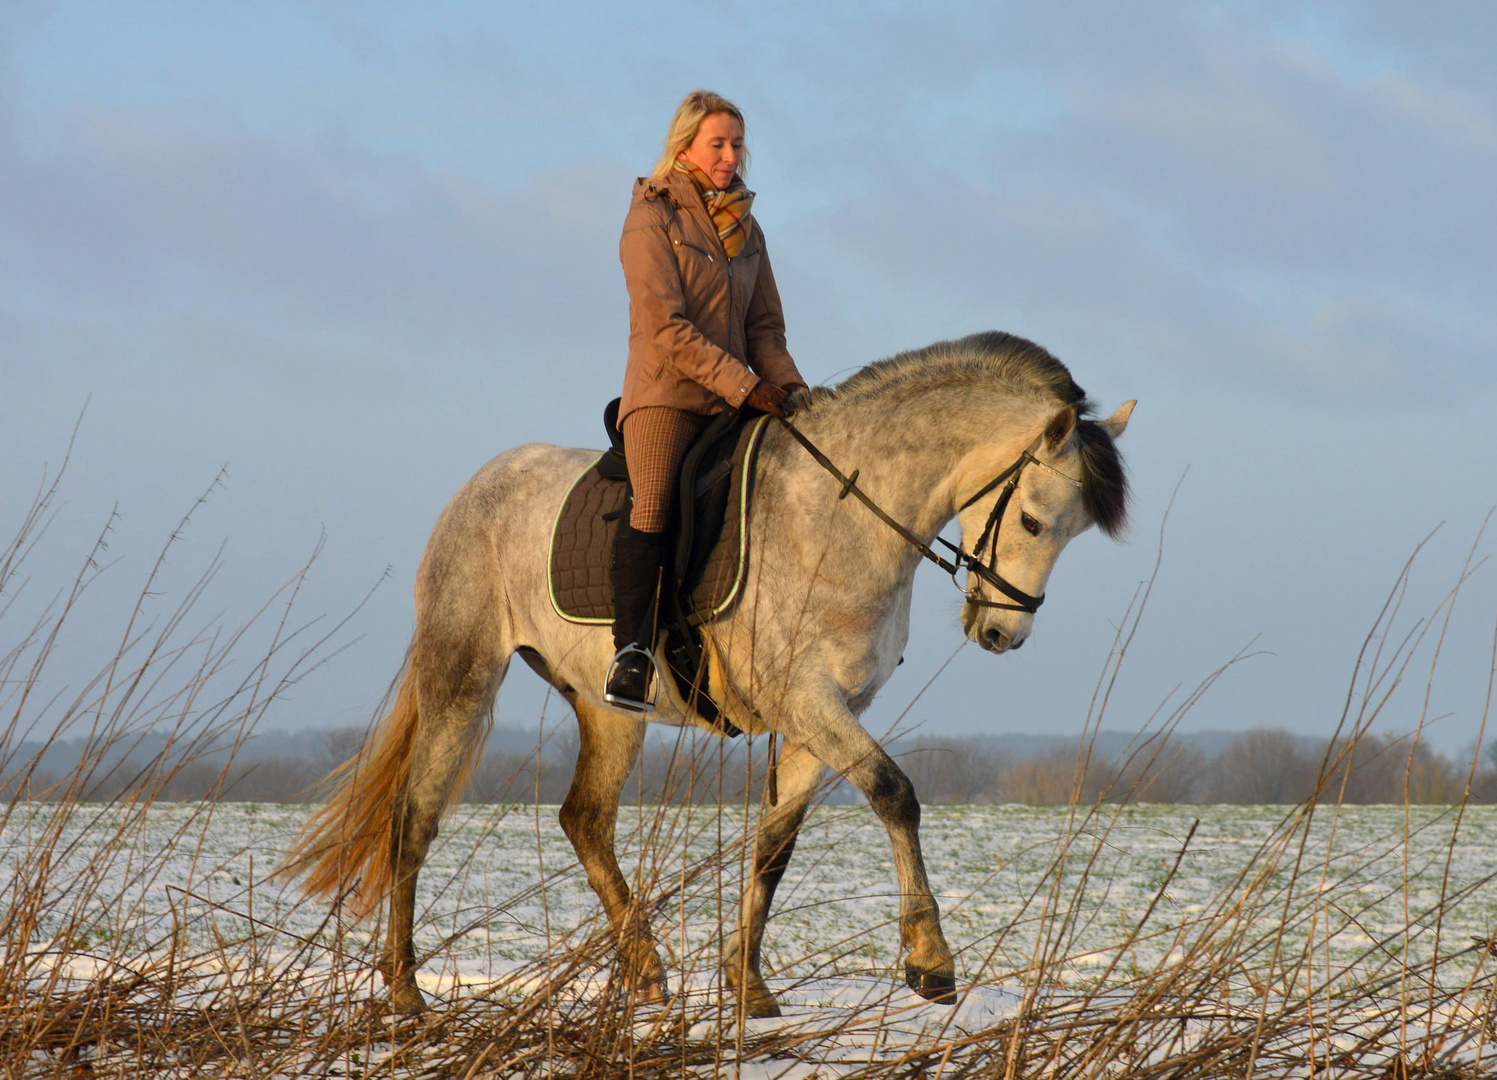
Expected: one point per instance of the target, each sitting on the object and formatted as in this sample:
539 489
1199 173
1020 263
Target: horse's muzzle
991 637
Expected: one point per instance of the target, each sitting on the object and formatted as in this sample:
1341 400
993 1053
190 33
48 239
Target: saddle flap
702 500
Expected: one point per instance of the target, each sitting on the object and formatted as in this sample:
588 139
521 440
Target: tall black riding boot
637 560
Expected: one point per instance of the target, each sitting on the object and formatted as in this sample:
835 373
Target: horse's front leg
834 735
609 745
798 772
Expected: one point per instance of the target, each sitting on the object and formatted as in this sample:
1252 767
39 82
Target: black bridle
971 562
988 539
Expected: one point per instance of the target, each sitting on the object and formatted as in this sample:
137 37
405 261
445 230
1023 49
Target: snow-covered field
1023 889
502 884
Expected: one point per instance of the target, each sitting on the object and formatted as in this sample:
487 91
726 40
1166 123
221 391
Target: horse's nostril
1016 646
994 638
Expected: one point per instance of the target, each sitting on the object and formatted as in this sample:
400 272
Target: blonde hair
698 105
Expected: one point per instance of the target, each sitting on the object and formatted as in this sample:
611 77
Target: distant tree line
697 768
1261 766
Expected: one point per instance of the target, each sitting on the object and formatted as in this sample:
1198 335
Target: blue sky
353 251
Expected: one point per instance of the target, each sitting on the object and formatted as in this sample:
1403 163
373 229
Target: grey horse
818 627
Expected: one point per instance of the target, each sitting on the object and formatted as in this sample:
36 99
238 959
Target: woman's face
717 149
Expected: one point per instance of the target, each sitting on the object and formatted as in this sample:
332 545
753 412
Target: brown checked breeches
656 439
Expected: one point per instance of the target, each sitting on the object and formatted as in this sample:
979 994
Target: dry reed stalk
94 982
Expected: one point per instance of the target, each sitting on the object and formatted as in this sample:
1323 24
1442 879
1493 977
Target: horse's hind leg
452 704
609 745
797 775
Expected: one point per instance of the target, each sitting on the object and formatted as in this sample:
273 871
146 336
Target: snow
502 901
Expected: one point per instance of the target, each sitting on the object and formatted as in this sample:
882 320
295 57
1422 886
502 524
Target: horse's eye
1031 526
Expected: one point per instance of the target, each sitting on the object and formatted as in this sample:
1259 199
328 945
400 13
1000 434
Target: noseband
973 563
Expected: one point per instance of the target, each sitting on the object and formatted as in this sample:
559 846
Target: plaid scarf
729 208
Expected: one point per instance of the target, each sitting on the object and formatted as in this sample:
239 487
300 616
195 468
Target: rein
971 562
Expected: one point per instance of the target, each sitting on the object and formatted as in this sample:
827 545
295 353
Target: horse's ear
1059 429
1115 424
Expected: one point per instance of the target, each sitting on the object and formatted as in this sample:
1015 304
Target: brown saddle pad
582 542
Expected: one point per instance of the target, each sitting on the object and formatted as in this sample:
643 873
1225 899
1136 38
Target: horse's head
1070 479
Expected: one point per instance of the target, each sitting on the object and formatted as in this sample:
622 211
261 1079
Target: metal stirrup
648 705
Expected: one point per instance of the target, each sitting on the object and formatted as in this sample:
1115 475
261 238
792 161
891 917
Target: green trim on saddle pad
750 452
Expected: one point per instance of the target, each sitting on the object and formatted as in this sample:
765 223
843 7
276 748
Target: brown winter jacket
703 328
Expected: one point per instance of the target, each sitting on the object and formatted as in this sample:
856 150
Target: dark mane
992 355
1104 481
1025 368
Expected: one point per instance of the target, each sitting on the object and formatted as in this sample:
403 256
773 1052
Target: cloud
356 254
1250 199
1209 193
131 210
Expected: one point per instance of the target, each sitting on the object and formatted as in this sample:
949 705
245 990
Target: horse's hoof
758 1003
652 992
931 985
406 999
761 1007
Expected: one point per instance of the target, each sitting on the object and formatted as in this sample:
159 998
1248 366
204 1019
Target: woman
706 333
